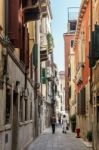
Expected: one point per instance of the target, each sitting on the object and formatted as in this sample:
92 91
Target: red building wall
67 45
86 69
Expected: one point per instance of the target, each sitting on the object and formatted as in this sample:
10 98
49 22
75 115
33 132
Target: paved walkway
57 141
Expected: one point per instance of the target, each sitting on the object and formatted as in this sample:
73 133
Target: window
73 25
72 43
21 109
70 92
8 106
97 99
31 110
98 119
69 72
26 109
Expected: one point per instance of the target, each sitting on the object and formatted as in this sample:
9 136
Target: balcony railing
44 7
43 41
49 73
43 47
43 55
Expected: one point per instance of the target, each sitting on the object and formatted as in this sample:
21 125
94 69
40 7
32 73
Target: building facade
21 98
82 75
68 39
60 98
94 67
69 55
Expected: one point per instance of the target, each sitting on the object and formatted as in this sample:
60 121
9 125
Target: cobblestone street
57 141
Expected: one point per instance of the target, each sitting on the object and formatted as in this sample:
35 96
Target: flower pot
73 126
78 132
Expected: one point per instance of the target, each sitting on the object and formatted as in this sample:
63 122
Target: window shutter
78 106
22 43
26 47
83 108
43 75
13 24
96 42
70 92
35 55
91 51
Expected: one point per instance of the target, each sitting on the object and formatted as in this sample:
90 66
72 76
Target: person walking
59 120
53 123
64 123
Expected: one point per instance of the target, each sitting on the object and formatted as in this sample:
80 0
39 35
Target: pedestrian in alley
64 124
53 123
59 120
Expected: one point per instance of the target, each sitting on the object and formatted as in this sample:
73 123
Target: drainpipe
37 41
91 14
37 75
91 72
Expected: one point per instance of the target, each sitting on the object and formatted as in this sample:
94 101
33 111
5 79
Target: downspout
91 13
37 75
5 36
91 72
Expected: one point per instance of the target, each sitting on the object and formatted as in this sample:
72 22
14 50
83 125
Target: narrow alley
49 74
57 141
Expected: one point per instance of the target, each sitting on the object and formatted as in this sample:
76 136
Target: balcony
43 55
43 47
44 7
43 41
49 73
31 12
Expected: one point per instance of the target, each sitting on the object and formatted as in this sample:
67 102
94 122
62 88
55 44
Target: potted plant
73 122
50 41
89 136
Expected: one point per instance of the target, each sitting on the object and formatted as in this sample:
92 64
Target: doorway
15 122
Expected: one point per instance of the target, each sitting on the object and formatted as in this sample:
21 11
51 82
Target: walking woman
64 123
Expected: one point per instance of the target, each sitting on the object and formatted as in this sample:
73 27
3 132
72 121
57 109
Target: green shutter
35 55
91 51
96 42
94 47
43 75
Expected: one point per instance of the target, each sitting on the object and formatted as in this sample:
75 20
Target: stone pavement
57 141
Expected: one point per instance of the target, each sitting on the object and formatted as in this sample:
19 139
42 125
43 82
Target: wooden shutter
78 104
22 43
96 42
91 51
24 52
83 110
13 24
35 55
43 75
26 47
